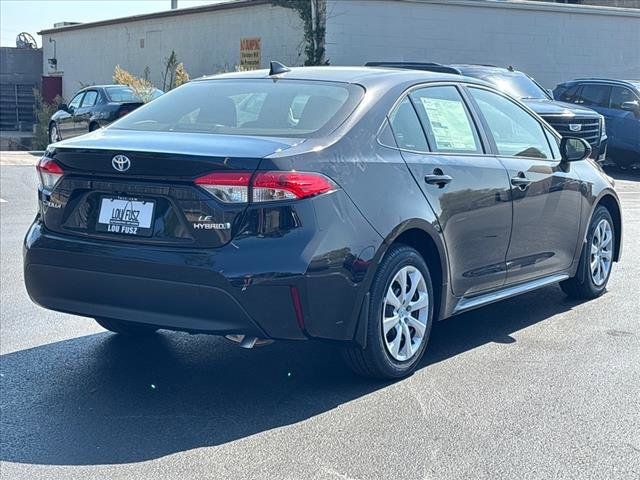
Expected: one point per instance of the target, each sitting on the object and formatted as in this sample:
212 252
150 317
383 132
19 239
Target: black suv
355 205
568 119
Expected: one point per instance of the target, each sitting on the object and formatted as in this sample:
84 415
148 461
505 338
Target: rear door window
406 127
447 122
90 98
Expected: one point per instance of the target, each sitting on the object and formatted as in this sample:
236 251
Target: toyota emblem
121 163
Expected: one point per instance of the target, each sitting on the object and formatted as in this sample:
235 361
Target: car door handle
520 181
438 178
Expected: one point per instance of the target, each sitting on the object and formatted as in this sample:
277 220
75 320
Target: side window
75 103
386 135
594 95
448 124
90 98
406 127
570 94
516 132
619 95
554 143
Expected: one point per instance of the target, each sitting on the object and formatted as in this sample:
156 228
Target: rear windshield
256 107
121 94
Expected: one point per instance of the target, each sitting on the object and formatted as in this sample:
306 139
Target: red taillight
228 187
270 186
49 172
233 187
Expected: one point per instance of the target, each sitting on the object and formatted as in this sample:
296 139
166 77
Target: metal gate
17 106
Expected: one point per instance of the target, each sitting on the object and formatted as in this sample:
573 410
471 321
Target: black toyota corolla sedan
356 205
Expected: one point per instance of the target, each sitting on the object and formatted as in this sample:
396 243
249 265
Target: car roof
487 69
628 83
365 76
89 87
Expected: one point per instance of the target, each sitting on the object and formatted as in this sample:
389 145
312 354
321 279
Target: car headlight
603 127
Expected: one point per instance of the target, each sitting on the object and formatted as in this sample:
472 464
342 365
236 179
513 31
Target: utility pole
314 40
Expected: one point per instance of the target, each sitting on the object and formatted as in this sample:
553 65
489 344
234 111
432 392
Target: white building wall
551 42
206 42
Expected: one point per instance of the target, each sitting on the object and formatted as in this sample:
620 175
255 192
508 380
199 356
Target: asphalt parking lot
533 387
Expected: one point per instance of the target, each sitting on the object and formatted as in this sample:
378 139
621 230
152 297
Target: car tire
596 258
94 126
54 133
128 329
383 356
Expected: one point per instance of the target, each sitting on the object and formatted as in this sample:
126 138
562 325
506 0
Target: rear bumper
167 288
246 287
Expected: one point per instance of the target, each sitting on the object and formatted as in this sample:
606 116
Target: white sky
34 15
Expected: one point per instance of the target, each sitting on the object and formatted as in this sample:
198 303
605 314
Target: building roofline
536 6
230 5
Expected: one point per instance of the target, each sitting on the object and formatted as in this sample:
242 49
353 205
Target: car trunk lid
139 187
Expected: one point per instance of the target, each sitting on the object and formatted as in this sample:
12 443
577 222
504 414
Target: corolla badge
575 127
121 163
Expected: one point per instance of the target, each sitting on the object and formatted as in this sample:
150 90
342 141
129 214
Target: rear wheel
126 328
54 134
596 259
400 317
93 126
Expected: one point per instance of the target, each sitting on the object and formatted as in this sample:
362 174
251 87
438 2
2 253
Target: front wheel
128 329
400 317
596 258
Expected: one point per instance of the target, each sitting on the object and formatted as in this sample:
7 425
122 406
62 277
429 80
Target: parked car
568 119
393 198
619 102
92 108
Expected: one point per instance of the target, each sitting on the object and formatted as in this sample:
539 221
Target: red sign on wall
250 53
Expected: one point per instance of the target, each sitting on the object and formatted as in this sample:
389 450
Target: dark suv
355 205
619 102
568 119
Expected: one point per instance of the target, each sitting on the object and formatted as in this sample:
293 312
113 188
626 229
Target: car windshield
635 83
254 107
516 84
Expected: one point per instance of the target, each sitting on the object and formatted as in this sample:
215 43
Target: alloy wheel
405 313
53 134
601 252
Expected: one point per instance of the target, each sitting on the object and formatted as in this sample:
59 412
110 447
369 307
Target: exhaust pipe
246 341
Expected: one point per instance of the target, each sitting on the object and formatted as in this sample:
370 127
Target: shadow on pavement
101 399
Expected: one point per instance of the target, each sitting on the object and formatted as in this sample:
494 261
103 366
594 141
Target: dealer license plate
126 216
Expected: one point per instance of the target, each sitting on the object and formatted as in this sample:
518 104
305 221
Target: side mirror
574 149
631 107
63 106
